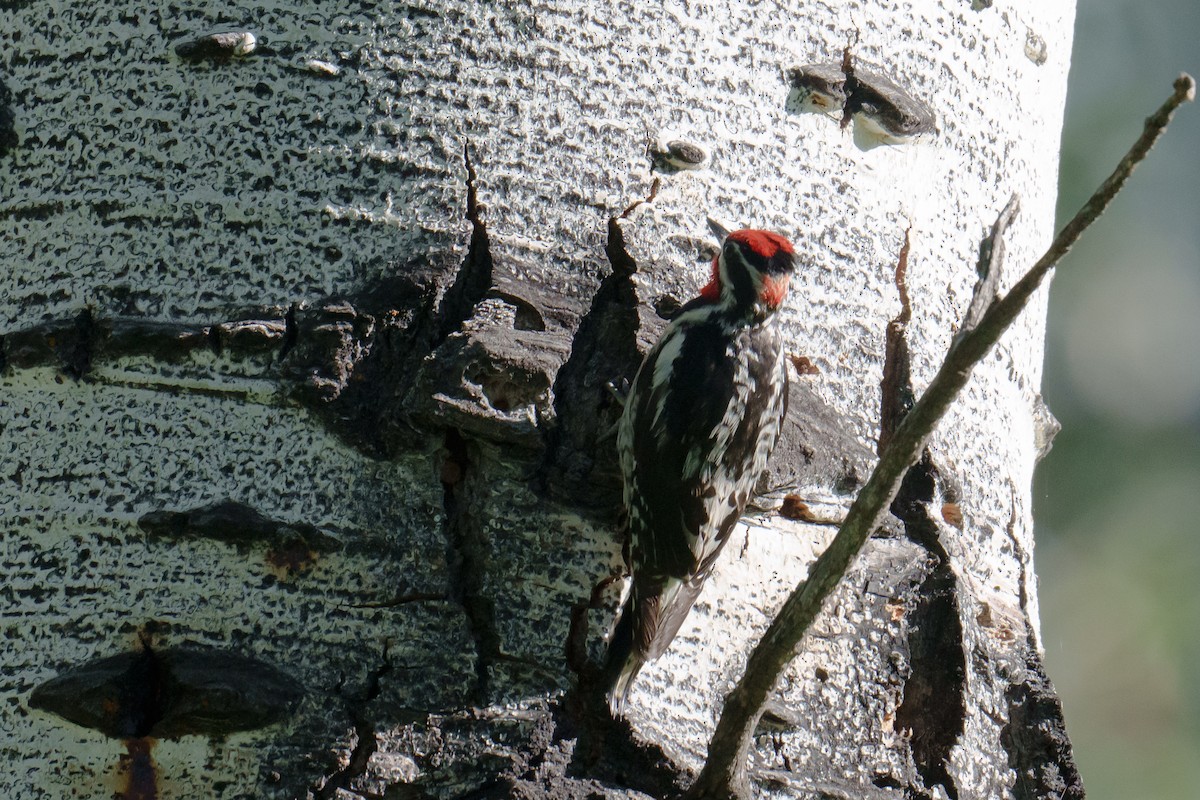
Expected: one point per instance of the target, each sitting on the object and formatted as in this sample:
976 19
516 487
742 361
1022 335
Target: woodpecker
700 421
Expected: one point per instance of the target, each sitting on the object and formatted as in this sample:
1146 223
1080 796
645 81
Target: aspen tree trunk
304 463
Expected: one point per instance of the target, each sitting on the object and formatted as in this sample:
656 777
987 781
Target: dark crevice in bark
468 551
287 547
580 461
1023 561
896 396
214 341
365 743
474 279
853 102
355 360
290 333
606 749
934 703
934 697
933 707
74 345
1035 738
75 351
145 688
66 344
349 360
595 745
397 324
8 121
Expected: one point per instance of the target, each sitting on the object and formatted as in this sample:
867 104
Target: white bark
148 188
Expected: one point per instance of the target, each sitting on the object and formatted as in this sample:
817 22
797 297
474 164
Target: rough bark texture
304 363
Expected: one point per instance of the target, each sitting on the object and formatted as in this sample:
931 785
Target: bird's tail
648 624
622 661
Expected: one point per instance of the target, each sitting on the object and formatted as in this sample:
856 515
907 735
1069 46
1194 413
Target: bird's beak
719 230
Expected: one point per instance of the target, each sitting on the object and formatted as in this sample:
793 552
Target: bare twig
724 774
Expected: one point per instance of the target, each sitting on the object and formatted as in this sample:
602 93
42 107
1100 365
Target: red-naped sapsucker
700 421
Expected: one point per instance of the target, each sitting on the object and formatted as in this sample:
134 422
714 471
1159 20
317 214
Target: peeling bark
1036 739
581 461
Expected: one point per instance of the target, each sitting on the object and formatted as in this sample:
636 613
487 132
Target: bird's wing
670 496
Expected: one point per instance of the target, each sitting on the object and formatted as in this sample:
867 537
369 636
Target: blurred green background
1117 501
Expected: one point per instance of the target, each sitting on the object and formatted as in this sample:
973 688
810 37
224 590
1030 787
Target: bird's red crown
764 243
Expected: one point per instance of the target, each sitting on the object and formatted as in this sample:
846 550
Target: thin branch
1004 311
724 774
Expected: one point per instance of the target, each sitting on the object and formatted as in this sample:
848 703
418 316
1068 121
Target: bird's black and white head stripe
751 271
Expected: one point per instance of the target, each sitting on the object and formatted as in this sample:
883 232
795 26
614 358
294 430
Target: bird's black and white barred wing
693 464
